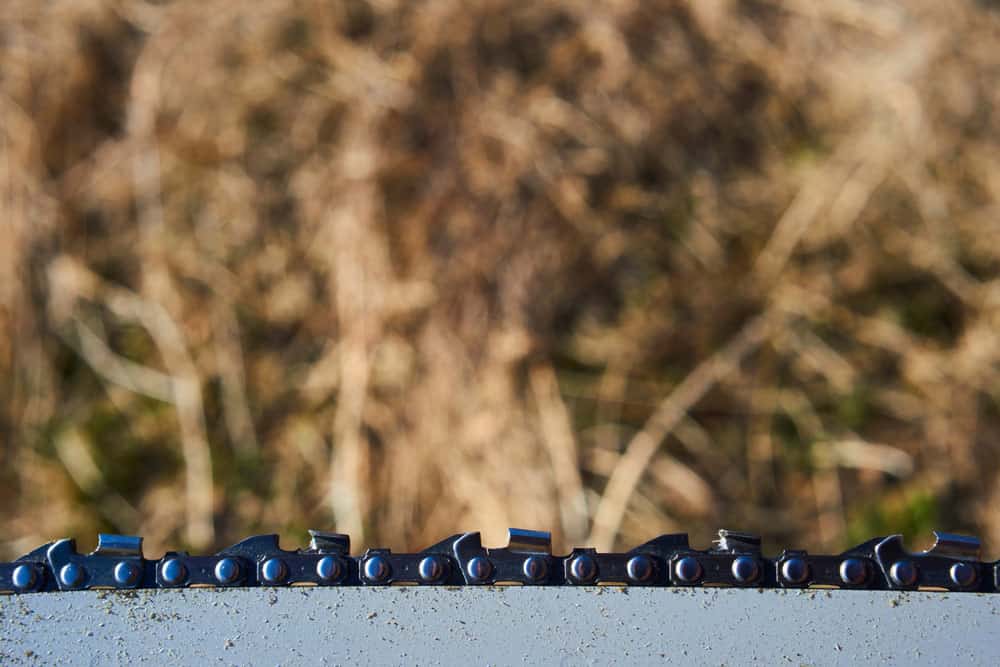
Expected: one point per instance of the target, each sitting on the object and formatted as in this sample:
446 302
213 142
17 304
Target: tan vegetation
400 269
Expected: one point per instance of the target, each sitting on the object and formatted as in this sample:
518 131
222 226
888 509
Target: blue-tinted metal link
735 559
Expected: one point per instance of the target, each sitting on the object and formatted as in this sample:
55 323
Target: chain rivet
479 569
639 568
745 569
24 577
126 573
274 571
795 570
903 573
535 569
431 569
854 571
963 574
329 568
71 575
377 569
227 571
953 563
583 569
688 570
173 572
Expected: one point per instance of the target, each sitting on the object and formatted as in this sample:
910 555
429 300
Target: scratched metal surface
435 625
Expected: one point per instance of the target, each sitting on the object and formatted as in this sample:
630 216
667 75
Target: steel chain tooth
735 559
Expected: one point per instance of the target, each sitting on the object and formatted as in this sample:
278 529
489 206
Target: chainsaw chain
735 559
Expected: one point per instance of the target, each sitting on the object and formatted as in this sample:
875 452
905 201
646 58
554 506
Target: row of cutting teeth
952 564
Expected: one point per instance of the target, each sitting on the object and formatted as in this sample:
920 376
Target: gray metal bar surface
499 625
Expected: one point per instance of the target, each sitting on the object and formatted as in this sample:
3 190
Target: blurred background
404 269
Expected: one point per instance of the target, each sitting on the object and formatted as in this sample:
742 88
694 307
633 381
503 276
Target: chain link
951 564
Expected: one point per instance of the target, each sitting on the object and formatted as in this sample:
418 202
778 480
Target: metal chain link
951 564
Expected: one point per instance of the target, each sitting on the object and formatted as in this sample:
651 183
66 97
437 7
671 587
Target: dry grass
406 269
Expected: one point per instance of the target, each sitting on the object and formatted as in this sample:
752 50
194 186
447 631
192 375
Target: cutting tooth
736 541
524 541
323 542
946 545
953 563
124 546
949 545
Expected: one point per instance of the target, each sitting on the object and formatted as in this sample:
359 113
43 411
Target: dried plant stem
187 400
118 370
157 283
643 446
73 451
557 434
840 187
180 385
358 265
230 362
